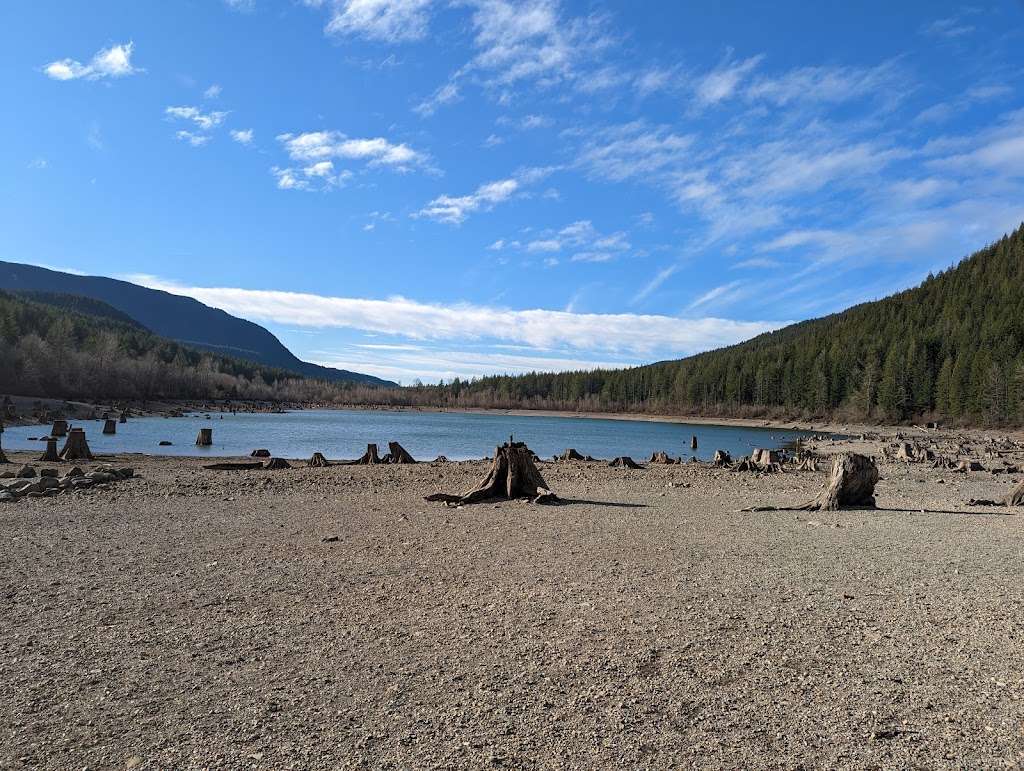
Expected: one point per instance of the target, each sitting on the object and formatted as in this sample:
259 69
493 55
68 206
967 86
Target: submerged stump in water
205 438
512 475
110 426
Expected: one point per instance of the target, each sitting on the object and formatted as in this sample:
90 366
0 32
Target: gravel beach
332 618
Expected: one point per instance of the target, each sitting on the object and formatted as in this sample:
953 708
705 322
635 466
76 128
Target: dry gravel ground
331 618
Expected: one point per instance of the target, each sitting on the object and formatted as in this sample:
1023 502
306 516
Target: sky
430 189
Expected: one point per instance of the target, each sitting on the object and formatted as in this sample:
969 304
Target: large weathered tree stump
50 454
76 447
852 484
110 426
722 458
60 428
317 461
512 475
205 438
397 454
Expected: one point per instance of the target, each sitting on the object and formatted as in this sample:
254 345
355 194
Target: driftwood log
318 461
50 454
76 448
245 466
1013 498
852 483
513 475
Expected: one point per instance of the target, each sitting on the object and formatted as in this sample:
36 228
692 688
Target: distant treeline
952 347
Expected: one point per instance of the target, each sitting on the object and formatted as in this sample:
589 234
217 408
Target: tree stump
1015 497
744 464
124 417
722 458
512 475
397 454
276 463
110 426
370 457
318 460
60 428
50 455
764 457
660 457
570 454
624 461
205 438
76 447
3 458
852 484
260 453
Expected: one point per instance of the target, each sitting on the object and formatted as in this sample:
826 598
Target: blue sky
430 188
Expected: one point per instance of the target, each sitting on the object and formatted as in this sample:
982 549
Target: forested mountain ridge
178 318
953 346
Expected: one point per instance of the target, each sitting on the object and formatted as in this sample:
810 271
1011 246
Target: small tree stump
722 458
110 426
260 453
318 461
205 438
693 443
3 458
124 417
852 484
624 461
60 428
50 455
570 454
744 464
370 457
764 457
76 447
512 475
276 463
660 457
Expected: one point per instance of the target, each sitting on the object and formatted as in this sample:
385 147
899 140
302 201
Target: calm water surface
345 434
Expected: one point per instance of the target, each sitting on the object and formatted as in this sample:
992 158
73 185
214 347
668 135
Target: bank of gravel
332 618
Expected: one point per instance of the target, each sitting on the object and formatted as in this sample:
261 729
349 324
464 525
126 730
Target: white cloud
321 145
455 210
243 6
205 121
947 28
444 95
242 136
319 176
113 62
826 84
537 328
212 92
720 84
388 21
634 150
715 294
194 139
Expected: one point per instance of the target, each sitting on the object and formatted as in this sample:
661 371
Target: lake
345 433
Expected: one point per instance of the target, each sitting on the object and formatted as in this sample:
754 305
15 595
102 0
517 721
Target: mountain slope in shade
183 319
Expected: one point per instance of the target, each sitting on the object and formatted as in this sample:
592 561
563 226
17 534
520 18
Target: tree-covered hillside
953 346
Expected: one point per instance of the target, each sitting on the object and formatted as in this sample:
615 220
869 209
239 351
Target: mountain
953 346
178 318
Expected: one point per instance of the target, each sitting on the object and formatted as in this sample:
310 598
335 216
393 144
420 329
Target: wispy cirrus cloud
113 62
205 123
454 210
387 21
